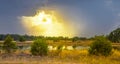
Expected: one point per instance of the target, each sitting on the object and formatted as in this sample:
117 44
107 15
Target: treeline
113 36
17 37
25 37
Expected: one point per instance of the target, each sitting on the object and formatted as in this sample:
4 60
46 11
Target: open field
64 57
61 57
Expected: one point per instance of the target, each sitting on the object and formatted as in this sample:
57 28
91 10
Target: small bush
21 39
59 50
9 46
60 47
39 47
101 46
74 46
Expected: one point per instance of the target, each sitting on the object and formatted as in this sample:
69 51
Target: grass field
63 57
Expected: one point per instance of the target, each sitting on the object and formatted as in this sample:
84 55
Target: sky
89 17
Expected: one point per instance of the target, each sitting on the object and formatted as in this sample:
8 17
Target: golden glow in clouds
47 23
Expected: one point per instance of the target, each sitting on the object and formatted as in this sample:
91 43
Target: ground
64 57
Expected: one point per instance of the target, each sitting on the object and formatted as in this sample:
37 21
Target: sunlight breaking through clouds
47 23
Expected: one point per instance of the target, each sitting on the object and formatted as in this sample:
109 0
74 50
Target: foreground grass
64 57
83 57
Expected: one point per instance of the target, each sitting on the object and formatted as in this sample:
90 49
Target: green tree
74 39
21 39
9 46
101 46
114 36
39 47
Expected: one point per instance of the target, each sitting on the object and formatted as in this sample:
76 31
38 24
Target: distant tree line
25 37
113 36
18 37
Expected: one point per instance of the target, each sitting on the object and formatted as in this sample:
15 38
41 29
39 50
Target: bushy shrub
74 39
39 47
101 46
74 46
60 47
21 39
9 46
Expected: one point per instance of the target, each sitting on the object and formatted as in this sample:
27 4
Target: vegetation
114 36
101 46
26 37
21 39
66 57
75 39
39 47
9 46
17 37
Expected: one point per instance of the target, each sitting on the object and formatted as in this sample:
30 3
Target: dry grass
64 57
69 42
82 56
